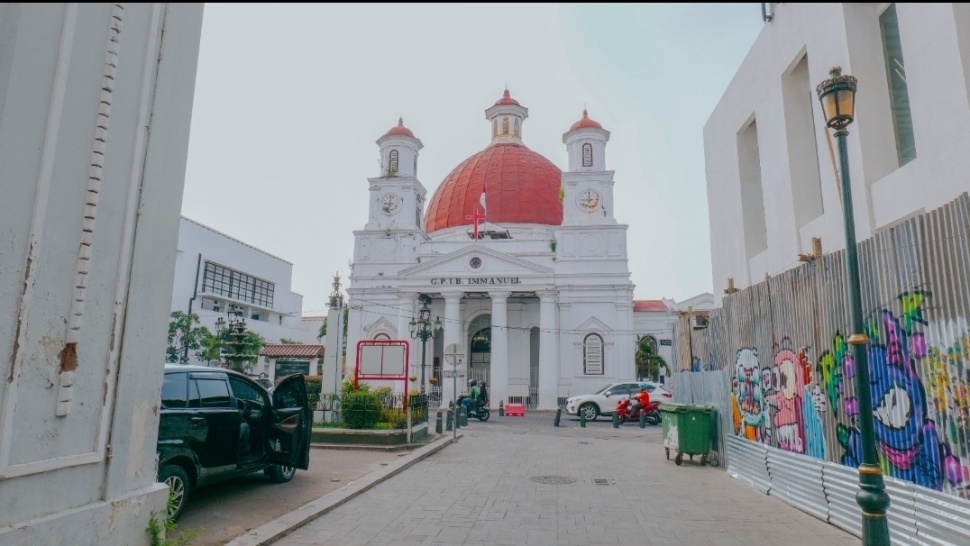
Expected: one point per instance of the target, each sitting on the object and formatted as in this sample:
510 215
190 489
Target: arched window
505 125
517 128
495 127
382 336
392 163
593 355
587 155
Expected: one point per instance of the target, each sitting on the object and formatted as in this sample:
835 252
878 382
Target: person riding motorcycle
640 400
473 395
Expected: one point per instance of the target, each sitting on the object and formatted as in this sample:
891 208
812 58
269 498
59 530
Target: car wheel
590 411
280 474
178 488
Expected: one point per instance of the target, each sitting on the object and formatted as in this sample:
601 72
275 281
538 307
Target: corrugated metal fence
776 364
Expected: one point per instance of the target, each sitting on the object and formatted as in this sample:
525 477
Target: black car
217 424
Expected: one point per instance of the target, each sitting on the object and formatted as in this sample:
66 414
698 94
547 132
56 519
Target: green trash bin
687 430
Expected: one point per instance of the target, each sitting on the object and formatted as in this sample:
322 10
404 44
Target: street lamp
422 328
837 95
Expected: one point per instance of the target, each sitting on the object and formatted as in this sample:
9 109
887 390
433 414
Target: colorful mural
920 393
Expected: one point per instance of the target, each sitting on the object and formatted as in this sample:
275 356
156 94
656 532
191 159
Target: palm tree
647 360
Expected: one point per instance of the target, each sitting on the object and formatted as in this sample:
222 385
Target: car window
601 391
213 393
620 390
244 391
175 391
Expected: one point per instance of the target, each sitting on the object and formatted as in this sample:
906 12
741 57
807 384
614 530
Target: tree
288 341
184 335
647 360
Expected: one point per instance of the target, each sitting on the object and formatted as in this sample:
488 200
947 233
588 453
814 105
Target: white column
548 352
404 316
499 386
452 326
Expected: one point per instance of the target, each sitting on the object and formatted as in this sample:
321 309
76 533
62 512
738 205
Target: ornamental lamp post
837 95
422 328
237 334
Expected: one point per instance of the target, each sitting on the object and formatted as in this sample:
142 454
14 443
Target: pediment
594 324
458 264
381 326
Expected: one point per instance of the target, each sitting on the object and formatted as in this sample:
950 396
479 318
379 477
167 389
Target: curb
286 524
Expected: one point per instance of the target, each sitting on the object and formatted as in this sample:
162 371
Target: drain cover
552 480
601 481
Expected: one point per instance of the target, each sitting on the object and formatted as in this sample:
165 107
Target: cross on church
476 217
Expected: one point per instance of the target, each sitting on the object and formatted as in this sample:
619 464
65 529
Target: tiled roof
400 130
642 306
276 350
585 123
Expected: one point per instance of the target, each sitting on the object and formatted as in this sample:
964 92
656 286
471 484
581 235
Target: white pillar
404 316
500 348
548 352
452 335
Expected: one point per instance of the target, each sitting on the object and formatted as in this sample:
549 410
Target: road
229 509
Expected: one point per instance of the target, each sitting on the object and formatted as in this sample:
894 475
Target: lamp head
837 95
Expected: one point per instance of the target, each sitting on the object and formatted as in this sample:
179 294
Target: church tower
587 185
397 197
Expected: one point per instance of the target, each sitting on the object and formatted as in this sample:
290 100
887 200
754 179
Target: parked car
604 400
217 424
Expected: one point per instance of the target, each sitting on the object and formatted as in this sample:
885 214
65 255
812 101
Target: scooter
625 415
478 410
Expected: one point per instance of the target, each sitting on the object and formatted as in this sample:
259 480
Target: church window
382 336
392 163
593 355
494 128
505 125
587 155
517 128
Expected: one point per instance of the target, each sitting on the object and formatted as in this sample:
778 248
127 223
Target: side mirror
608 393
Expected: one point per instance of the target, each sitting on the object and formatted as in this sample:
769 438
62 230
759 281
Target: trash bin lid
672 407
699 408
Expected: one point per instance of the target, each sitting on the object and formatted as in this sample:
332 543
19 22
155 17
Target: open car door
289 435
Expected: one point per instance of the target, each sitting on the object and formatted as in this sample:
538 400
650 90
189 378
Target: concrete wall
94 132
775 90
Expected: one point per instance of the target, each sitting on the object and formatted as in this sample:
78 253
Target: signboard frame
367 349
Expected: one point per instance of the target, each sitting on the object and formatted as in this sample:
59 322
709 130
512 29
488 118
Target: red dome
521 187
400 130
507 99
585 123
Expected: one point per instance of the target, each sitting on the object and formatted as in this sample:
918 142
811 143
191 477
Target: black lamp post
423 329
837 95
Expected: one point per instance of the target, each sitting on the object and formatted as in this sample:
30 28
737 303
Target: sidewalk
522 481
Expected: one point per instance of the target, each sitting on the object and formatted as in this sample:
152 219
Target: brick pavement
501 484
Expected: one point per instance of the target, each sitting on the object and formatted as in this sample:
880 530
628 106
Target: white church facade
523 264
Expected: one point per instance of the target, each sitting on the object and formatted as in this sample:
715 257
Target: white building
214 271
770 164
524 264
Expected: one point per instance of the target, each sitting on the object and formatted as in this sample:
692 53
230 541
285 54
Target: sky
290 99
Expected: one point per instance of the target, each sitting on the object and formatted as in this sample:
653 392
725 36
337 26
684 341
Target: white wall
936 51
89 209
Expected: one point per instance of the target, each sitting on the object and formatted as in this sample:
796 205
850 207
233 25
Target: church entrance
480 345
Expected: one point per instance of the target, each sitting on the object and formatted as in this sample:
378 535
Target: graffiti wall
784 345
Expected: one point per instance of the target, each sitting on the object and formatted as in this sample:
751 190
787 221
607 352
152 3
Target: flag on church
481 200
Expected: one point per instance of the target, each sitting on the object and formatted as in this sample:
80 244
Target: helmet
473 383
643 386
483 383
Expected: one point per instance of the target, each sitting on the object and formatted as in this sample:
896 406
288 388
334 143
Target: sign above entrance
438 281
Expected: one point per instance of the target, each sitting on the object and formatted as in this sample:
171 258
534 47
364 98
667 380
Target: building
282 359
523 264
771 177
214 271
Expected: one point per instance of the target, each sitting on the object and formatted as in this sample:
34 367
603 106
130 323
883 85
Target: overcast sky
290 100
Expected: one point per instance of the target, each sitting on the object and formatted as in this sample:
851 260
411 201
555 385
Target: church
519 263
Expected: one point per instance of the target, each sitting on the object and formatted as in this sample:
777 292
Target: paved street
521 481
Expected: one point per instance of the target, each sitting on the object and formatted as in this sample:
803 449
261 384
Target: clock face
391 203
589 200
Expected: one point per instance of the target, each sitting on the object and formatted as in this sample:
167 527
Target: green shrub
396 418
313 386
361 409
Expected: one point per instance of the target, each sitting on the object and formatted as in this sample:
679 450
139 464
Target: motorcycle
477 409
624 413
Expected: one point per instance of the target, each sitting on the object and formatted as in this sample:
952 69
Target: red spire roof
507 99
521 187
585 123
400 130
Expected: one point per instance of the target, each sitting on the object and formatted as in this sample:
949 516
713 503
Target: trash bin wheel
703 460
679 459
667 449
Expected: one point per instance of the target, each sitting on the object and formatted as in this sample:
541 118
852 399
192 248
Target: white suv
604 401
